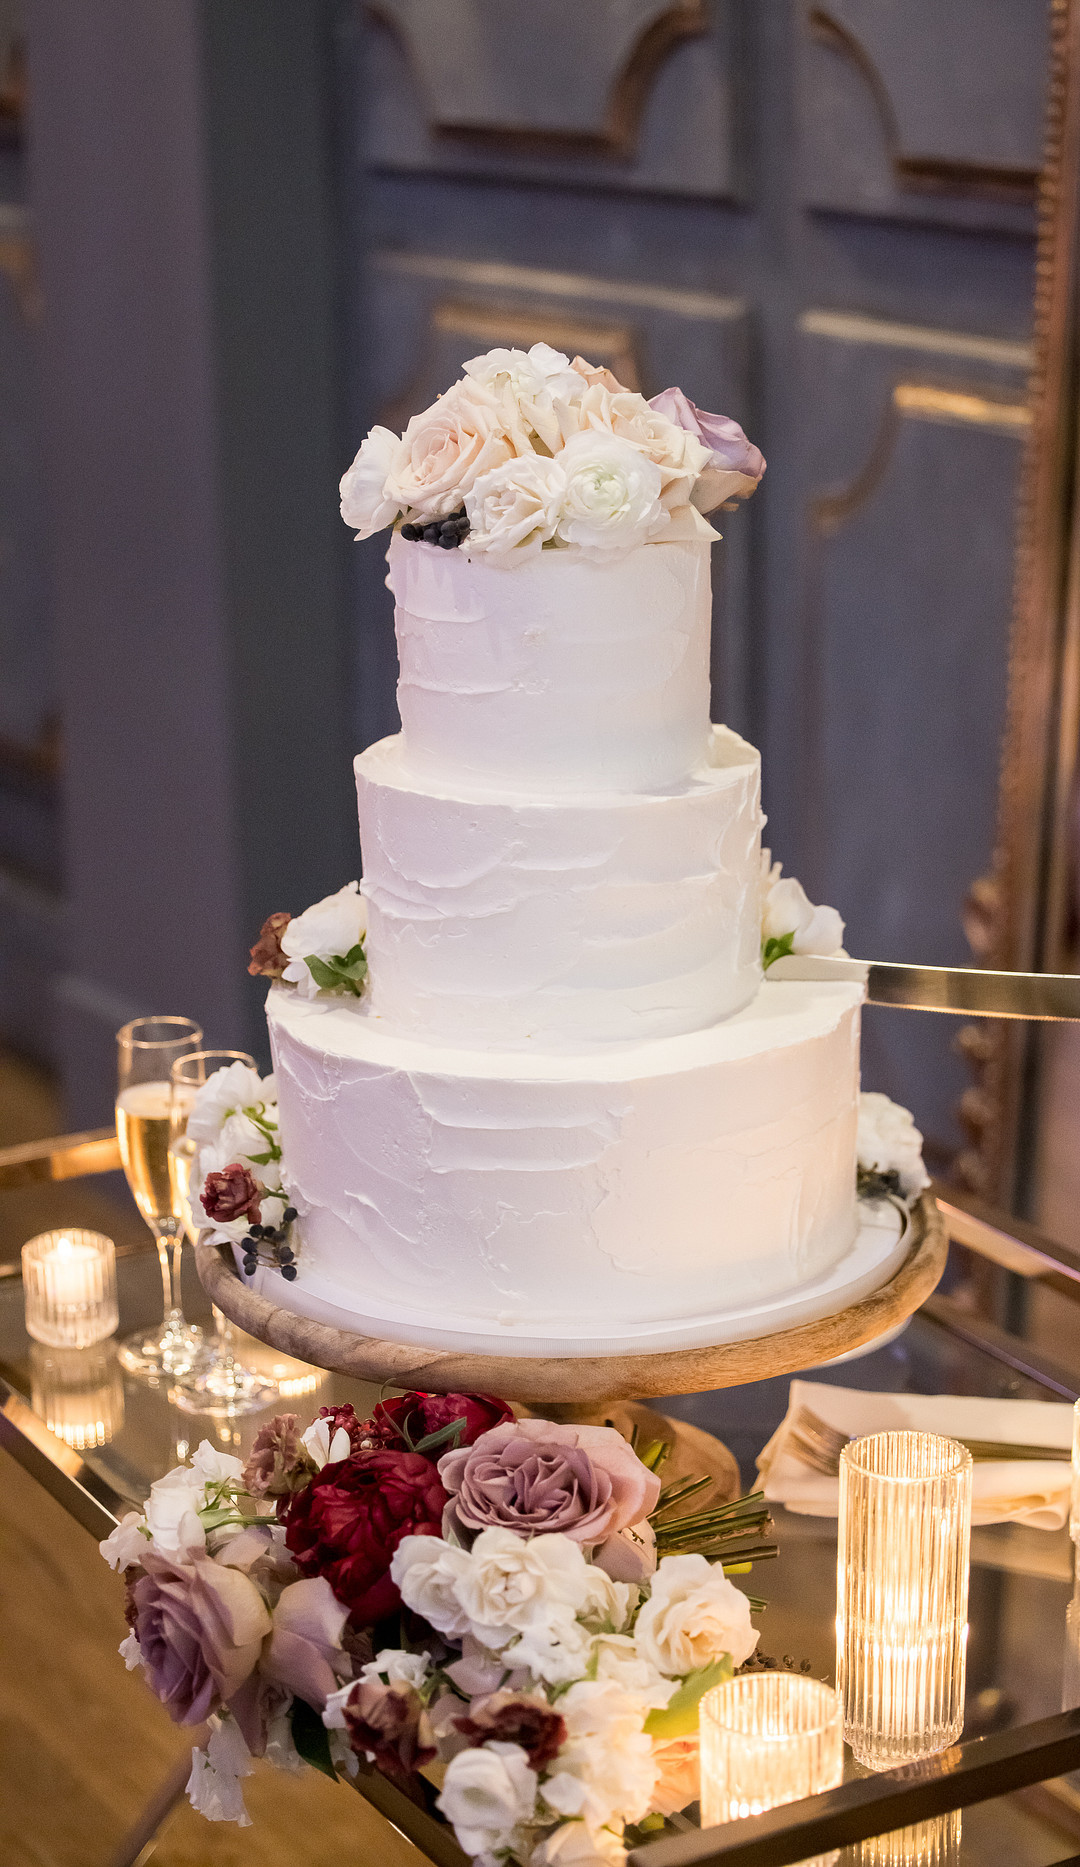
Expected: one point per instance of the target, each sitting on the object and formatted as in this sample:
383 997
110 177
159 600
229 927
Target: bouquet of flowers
513 1618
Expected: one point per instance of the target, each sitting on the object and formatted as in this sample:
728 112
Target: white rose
487 1793
516 507
626 415
237 1087
445 449
612 497
172 1513
574 1844
786 910
327 930
890 1142
214 1784
693 1616
126 1543
616 1656
364 504
541 382
605 1770
324 1449
510 1582
427 1572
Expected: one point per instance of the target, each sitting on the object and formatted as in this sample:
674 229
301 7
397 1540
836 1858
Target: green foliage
342 972
775 948
679 1717
310 1736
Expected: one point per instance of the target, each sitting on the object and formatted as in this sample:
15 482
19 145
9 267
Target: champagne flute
147 1048
217 1382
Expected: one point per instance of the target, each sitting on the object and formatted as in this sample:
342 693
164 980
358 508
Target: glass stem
170 1245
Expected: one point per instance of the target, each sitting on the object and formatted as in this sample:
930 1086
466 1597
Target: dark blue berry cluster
267 1244
449 532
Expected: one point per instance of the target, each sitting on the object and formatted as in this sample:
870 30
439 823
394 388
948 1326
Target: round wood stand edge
586 1379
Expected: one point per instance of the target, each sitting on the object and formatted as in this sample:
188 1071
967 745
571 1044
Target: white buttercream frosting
560 674
561 921
657 1180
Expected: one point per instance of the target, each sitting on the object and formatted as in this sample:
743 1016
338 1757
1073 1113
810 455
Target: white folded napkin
1031 1491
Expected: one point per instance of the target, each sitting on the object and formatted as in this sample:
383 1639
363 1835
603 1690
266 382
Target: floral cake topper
529 451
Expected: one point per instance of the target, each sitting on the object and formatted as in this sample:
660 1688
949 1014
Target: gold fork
819 1445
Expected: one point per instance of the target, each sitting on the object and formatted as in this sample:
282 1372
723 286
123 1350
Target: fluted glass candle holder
69 1288
768 1738
901 1594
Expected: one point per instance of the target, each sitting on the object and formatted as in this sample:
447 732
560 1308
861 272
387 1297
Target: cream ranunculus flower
486 1794
428 1572
364 504
328 930
515 507
786 909
693 1616
444 450
889 1142
612 499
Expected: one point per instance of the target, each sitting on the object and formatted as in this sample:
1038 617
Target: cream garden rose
889 1142
427 1571
364 504
444 450
612 498
516 507
693 1616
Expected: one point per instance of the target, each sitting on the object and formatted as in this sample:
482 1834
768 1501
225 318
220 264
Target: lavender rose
736 465
200 1628
533 1477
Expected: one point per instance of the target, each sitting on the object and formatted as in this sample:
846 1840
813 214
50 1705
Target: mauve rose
349 1520
268 959
200 1628
534 1476
305 1644
416 1415
389 1722
736 465
508 1718
278 1464
234 1193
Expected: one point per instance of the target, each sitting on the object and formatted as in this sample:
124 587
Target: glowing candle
901 1594
79 1393
69 1288
768 1738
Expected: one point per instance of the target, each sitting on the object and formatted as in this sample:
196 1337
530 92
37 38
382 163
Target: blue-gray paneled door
819 219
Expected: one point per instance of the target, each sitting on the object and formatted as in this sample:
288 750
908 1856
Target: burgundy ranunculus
411 1417
507 1718
267 956
234 1193
350 1519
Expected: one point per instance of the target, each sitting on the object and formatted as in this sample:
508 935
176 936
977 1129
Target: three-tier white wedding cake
565 1110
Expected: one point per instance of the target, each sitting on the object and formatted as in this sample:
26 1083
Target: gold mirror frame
1020 915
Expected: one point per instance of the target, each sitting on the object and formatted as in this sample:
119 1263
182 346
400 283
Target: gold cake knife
965 989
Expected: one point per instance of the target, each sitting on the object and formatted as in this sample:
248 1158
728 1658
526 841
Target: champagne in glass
147 1048
217 1383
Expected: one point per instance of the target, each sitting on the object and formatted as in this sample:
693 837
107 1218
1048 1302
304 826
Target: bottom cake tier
571 1196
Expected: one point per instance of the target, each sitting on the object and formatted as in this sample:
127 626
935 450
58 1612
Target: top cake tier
556 674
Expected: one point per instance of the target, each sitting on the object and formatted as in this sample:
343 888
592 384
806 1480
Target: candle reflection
78 1392
926 1844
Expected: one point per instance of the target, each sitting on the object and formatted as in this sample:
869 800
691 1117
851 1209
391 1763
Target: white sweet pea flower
612 499
511 1582
242 1140
516 507
787 911
555 1649
364 504
130 1652
616 1656
693 1616
394 1666
575 1844
487 1793
324 1449
427 1571
606 1770
214 1784
126 1543
328 930
214 1467
172 1513
889 1142
237 1087
280 1748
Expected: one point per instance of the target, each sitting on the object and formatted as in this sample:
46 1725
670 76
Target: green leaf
777 948
324 975
679 1717
341 972
260 1160
311 1738
440 1438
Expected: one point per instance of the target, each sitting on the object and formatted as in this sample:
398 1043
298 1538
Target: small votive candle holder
902 1593
768 1738
69 1288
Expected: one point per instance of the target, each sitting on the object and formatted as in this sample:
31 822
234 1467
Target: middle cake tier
548 921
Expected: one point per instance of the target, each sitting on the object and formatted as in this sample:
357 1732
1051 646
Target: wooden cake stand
596 1388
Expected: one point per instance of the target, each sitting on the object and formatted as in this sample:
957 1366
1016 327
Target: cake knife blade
969 990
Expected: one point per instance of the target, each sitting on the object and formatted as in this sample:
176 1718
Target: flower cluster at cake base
889 1150
320 951
238 1179
529 451
790 923
512 1619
